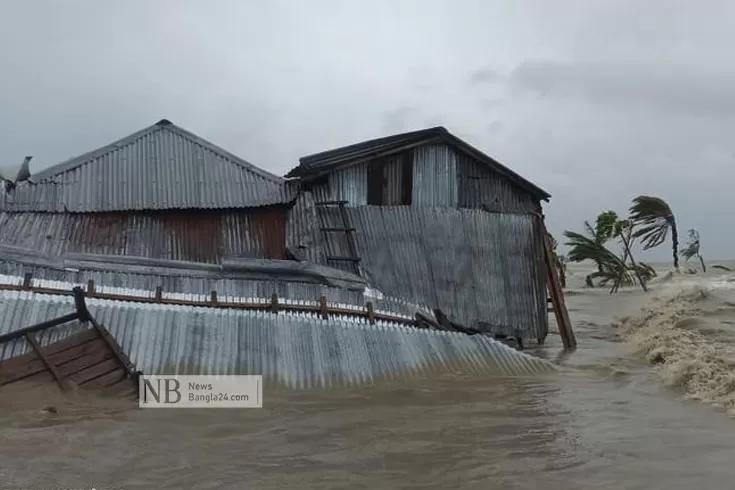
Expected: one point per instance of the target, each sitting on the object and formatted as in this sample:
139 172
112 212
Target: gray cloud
688 90
595 101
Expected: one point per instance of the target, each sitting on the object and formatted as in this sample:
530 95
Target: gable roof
322 163
160 167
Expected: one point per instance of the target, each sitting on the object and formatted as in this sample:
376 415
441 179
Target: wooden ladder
353 258
556 294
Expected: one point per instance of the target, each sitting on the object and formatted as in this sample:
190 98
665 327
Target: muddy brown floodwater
605 421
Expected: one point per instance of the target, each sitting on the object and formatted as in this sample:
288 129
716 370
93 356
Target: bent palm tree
652 218
611 268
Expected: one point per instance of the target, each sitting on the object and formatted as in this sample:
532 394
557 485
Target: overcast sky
595 101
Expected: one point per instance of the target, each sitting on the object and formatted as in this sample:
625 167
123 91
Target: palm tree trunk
674 240
701 261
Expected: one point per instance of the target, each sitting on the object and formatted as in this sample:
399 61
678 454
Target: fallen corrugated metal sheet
160 167
173 235
121 275
298 351
483 270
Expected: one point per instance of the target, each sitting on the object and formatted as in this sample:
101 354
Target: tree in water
653 217
610 267
692 249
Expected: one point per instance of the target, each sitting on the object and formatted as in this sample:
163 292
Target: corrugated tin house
161 193
434 220
199 262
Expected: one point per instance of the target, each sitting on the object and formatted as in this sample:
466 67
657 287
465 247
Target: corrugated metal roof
325 162
483 270
160 167
298 351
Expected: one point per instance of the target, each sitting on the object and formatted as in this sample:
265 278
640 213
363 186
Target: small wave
683 332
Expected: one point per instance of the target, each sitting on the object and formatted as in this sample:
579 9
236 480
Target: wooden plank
41 378
80 350
106 380
92 372
90 359
25 365
71 342
49 365
22 370
114 347
557 296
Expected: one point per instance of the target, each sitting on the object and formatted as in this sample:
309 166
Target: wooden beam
28 280
555 291
46 362
323 308
113 346
370 312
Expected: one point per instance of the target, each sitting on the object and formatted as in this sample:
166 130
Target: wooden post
113 346
370 312
213 297
159 294
46 361
323 310
90 288
274 303
28 280
556 293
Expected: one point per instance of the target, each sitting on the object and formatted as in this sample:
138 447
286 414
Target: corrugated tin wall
393 187
480 187
434 176
349 185
442 177
482 269
190 236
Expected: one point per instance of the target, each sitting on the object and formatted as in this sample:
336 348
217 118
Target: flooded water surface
624 412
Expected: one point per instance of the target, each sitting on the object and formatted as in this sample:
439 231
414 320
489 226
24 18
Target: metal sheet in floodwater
293 350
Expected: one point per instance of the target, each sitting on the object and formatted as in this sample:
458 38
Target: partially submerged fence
274 304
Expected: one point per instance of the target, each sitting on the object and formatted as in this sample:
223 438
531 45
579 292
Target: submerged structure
374 259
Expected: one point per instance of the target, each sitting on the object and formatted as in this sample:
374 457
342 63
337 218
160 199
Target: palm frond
605 226
651 216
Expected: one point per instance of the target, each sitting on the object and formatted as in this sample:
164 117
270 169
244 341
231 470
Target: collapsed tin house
366 261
